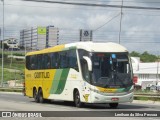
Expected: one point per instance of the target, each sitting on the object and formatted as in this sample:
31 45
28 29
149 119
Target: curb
146 102
18 93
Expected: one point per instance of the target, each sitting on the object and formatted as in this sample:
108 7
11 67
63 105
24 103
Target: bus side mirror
89 62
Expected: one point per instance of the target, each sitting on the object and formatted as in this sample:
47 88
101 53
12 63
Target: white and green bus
83 72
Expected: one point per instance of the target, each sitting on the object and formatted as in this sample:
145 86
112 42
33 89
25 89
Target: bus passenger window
54 60
47 61
39 62
33 62
43 62
72 59
63 60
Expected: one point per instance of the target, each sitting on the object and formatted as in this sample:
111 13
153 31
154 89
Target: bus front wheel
113 105
77 100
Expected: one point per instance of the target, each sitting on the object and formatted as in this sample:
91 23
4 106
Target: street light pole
120 27
2 45
157 76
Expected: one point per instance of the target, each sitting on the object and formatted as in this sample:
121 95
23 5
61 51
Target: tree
145 56
135 54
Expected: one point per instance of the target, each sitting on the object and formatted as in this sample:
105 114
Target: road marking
54 106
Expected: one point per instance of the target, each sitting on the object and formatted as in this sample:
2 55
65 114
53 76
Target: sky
140 28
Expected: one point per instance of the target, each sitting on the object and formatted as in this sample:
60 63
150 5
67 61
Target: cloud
137 25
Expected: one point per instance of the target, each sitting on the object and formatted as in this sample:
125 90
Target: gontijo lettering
41 75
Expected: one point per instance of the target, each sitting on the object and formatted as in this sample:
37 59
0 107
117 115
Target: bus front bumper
99 98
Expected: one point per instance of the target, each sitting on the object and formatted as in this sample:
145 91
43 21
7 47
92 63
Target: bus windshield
111 70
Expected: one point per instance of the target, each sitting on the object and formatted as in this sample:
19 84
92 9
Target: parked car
155 87
158 88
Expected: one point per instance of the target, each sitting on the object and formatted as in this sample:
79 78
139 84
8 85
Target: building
148 74
85 35
39 37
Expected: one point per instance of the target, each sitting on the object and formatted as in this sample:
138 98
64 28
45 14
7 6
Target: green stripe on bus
128 88
124 89
120 90
56 80
62 81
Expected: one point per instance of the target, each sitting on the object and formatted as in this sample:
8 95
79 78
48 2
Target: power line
107 22
106 1
48 7
94 5
80 9
158 15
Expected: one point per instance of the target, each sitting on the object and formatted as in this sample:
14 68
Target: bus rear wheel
77 100
113 105
35 95
40 96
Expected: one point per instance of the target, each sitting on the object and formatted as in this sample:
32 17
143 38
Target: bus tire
35 95
40 96
77 99
113 105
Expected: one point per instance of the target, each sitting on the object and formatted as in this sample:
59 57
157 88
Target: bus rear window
28 62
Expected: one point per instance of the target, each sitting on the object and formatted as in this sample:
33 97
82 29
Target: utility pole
57 36
11 53
2 44
157 76
120 28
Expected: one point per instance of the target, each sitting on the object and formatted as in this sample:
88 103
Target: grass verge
11 89
144 98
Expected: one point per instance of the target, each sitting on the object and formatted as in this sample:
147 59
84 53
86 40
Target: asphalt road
18 102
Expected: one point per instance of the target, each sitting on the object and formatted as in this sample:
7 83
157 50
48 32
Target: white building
39 37
148 73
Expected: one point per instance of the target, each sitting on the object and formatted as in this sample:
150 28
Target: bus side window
54 60
63 60
47 61
85 71
84 67
39 62
72 59
33 62
43 62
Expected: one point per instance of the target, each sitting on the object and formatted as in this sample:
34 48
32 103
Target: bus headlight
94 90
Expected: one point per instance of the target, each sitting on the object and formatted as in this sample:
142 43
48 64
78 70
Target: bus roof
88 46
